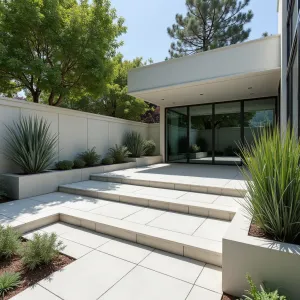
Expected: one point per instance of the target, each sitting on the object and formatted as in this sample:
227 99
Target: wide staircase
184 218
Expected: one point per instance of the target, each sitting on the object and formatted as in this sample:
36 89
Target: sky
147 23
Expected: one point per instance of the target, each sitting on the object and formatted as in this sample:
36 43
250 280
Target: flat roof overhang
242 71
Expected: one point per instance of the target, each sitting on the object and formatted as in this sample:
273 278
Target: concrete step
199 204
215 186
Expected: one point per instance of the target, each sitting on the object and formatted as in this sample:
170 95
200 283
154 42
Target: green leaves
209 24
135 144
118 154
273 182
90 157
57 47
9 281
30 144
9 241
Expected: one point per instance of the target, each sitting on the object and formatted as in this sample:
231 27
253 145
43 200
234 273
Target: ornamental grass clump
41 250
30 144
118 154
8 282
9 242
135 144
90 157
272 176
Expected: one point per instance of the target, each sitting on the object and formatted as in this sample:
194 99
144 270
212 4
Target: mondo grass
272 176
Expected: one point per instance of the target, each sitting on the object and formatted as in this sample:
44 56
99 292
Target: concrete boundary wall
77 131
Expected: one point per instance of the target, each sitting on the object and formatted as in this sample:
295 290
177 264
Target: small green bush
30 145
8 282
272 176
194 148
107 161
90 157
64 165
118 154
9 241
260 294
79 163
149 148
42 249
134 143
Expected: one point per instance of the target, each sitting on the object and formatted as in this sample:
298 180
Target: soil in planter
28 277
228 297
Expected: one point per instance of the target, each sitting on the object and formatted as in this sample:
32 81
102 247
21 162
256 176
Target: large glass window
177 134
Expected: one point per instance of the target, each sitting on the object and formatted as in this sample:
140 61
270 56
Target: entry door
177 134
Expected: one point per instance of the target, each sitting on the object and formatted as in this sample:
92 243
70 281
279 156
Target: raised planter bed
145 160
25 186
273 263
198 155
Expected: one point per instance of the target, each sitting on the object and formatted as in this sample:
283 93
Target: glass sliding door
177 134
227 125
200 134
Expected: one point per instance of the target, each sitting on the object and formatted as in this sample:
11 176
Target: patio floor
116 269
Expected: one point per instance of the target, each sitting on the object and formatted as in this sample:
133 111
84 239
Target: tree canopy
53 48
209 24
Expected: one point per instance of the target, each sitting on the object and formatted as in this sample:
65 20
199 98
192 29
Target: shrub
135 144
273 183
194 148
118 154
9 281
107 161
90 157
42 249
149 147
9 241
261 294
79 163
64 165
30 145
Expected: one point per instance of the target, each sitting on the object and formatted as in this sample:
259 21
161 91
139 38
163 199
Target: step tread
187 202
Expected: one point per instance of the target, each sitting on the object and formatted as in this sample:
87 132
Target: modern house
219 98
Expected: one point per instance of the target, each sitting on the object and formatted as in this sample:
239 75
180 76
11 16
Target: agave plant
135 144
30 145
273 182
118 154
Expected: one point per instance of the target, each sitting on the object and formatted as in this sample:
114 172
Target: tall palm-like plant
135 144
273 182
30 144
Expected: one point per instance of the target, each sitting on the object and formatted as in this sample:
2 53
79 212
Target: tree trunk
35 96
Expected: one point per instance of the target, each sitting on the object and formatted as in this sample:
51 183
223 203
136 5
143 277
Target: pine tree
209 24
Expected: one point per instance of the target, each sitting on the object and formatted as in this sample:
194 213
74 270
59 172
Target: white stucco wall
77 131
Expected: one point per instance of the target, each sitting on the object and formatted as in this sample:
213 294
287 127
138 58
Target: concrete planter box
198 155
25 186
145 160
275 264
177 157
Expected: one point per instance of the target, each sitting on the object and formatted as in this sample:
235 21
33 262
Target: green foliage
64 165
118 154
134 143
9 241
42 249
261 294
194 148
57 47
209 25
30 144
107 161
2 189
8 282
202 144
90 157
149 147
79 163
273 183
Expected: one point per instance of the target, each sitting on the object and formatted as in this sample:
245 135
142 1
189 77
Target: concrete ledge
275 264
26 186
206 250
145 160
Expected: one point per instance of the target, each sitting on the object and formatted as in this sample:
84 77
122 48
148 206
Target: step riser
173 186
210 212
